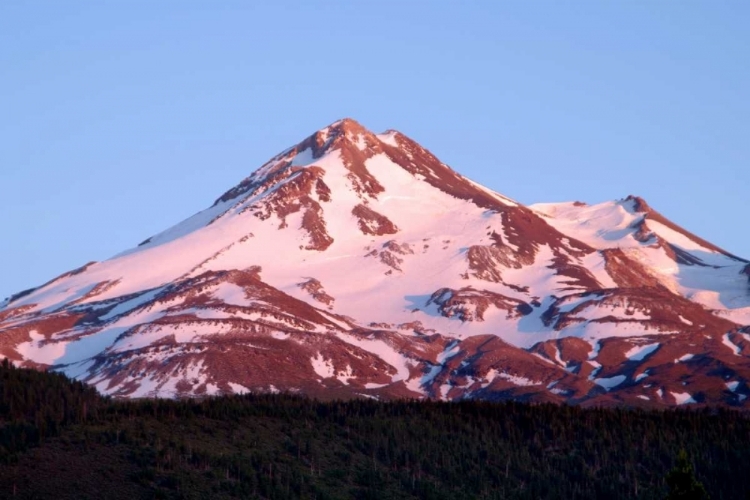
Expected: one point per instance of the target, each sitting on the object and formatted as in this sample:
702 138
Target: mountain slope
358 264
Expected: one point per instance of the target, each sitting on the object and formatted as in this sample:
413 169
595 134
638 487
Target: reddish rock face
373 223
469 304
626 272
651 214
315 289
358 265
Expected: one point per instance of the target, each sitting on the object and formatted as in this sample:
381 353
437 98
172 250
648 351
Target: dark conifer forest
61 440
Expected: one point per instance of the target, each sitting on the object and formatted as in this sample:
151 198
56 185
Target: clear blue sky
121 118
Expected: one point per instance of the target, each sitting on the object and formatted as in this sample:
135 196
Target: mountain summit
357 264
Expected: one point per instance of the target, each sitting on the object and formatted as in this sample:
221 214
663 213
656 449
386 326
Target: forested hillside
61 440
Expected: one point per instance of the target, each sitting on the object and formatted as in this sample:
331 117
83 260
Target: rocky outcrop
640 205
372 223
315 289
469 304
627 272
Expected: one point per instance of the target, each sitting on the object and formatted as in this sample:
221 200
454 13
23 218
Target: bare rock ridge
640 205
357 264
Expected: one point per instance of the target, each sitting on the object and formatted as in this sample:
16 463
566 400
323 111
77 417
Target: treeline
59 439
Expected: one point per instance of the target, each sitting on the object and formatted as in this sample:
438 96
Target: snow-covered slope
357 264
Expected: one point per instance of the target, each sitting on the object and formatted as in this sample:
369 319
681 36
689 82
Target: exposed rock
469 304
391 260
487 262
640 205
315 289
393 246
373 223
626 272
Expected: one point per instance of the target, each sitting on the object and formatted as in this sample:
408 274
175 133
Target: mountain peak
350 145
345 133
346 125
639 204
334 135
346 136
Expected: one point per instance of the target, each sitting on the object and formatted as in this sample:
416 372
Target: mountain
357 264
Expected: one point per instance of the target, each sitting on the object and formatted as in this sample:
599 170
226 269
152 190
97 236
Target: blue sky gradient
119 119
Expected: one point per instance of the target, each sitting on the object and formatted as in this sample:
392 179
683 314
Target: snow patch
611 382
683 398
238 388
639 352
345 375
388 138
595 348
371 385
686 321
727 342
732 386
519 380
323 367
133 303
231 294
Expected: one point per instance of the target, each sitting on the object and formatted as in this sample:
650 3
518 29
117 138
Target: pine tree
682 482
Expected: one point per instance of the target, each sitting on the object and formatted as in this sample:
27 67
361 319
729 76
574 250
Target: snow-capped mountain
357 264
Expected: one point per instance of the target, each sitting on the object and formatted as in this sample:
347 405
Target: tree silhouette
683 484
